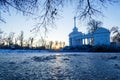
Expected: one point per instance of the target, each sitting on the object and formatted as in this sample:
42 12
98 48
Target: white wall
102 39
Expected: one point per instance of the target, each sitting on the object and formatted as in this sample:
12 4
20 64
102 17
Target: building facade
100 37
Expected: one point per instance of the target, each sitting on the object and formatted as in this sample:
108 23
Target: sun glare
57 47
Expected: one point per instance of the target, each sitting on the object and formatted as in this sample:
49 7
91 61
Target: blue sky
17 22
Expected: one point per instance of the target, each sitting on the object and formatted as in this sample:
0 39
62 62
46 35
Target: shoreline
50 51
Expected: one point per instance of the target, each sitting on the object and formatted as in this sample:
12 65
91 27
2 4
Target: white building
100 37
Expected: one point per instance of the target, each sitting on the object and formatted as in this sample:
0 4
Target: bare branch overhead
50 9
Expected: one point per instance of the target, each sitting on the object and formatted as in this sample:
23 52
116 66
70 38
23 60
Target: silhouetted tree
51 44
24 6
16 40
1 32
60 43
26 43
10 38
42 42
31 39
93 25
56 43
21 38
1 38
50 9
63 44
116 34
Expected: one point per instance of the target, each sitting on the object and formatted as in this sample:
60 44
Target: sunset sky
18 22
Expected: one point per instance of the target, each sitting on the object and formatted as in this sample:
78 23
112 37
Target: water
36 65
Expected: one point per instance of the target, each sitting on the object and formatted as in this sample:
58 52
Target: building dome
101 30
75 32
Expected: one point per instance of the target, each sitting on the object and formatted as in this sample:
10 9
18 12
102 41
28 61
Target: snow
35 65
22 51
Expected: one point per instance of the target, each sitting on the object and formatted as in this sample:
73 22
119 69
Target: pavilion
100 37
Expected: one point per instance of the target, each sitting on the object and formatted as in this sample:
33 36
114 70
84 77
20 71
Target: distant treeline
13 47
20 41
97 48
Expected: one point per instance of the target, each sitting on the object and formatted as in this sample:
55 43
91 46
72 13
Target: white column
88 41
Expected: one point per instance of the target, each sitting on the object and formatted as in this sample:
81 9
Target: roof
101 30
75 33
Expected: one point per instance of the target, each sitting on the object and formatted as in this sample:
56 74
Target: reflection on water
60 66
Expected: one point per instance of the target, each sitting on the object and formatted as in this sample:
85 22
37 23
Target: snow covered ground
35 65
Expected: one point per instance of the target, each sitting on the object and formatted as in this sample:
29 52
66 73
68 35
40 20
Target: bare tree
56 43
21 37
42 42
24 6
31 39
1 37
50 9
63 44
1 32
10 38
93 25
60 43
116 34
16 40
51 44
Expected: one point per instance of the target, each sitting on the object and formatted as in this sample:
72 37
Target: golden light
57 47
